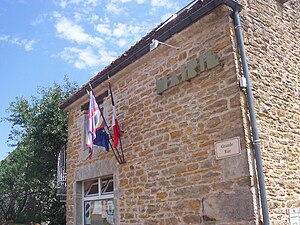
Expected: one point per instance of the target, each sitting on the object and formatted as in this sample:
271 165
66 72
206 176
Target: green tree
27 176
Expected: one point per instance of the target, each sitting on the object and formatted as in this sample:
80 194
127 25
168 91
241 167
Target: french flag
117 133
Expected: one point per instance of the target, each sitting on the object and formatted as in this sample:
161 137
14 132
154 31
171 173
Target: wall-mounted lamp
155 43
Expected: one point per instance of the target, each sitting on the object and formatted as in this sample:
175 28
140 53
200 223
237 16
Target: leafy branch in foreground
27 175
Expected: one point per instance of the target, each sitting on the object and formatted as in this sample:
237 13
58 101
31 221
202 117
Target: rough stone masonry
171 175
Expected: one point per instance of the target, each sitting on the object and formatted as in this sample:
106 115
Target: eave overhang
185 17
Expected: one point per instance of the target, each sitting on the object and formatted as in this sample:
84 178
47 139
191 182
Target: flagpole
119 159
113 104
123 159
114 152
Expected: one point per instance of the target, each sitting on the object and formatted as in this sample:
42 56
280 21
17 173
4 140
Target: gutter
125 61
252 113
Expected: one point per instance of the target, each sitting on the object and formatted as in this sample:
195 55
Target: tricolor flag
95 132
117 133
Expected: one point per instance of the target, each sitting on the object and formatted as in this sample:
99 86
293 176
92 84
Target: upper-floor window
98 146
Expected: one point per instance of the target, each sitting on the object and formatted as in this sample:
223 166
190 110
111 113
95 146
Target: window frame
103 106
95 197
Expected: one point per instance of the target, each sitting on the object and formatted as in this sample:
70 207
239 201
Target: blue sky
41 41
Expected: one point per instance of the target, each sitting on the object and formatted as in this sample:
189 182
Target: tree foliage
27 175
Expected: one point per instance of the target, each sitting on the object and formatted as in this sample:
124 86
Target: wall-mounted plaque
228 148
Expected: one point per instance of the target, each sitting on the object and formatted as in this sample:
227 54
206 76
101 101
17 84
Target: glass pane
107 185
91 187
110 186
100 212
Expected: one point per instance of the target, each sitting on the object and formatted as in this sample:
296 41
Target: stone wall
272 34
172 175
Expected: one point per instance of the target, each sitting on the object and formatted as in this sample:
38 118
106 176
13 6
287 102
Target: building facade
188 140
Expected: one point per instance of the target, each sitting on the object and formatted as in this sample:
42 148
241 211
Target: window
107 186
91 188
97 148
98 206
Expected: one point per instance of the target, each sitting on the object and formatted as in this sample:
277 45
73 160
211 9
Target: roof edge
141 48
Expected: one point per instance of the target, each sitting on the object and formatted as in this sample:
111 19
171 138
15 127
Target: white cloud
39 20
93 18
105 20
120 30
26 44
121 43
67 3
66 29
85 16
80 58
163 3
96 41
125 30
78 16
63 4
4 38
121 1
86 58
106 57
104 29
121 34
125 1
113 8
91 27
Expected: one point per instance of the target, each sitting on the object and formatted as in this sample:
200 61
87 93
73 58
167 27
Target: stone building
191 122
